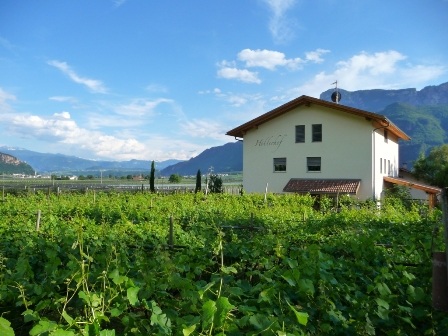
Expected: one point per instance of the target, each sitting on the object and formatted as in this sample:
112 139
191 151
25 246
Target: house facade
313 146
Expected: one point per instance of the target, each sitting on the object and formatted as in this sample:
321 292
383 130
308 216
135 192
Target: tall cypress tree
151 177
198 181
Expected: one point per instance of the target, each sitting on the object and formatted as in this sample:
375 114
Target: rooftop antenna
336 96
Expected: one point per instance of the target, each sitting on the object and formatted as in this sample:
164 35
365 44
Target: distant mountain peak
376 100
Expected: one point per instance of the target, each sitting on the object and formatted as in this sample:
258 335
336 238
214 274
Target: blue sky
154 80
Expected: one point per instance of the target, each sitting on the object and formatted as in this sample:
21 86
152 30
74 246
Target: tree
129 177
90 177
433 168
215 184
151 177
81 177
175 178
198 181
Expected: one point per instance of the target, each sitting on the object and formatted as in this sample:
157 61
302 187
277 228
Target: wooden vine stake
445 220
3 193
170 241
439 264
38 220
265 192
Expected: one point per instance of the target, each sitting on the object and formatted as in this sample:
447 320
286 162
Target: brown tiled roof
322 186
383 121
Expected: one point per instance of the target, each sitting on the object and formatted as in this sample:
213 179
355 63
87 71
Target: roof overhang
413 184
323 186
381 120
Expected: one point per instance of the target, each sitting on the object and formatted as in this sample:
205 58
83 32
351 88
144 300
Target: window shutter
300 133
279 164
317 133
313 161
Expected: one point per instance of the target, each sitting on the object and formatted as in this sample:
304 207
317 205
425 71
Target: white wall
386 153
345 150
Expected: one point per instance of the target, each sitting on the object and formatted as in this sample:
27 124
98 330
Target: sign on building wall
271 141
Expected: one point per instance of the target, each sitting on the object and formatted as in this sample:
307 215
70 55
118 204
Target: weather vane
336 96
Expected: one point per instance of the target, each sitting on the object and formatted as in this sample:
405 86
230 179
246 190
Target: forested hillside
11 165
226 158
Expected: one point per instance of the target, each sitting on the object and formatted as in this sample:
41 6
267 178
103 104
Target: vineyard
189 264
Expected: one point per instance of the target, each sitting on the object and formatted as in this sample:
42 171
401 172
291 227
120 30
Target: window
280 165
300 133
381 165
317 133
313 164
385 135
388 167
385 171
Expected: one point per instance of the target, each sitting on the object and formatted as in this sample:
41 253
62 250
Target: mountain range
47 162
422 114
227 158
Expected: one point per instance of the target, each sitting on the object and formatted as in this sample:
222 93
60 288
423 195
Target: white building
314 146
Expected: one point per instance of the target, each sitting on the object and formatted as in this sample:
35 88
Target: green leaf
43 327
67 318
30 315
62 332
223 306
383 289
382 303
370 330
84 296
132 295
5 328
260 322
288 276
306 286
229 269
107 332
407 320
208 312
302 317
237 291
187 331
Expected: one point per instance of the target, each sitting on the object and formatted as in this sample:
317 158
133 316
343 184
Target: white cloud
268 59
66 136
6 44
205 129
118 3
237 100
139 108
4 97
63 115
381 70
216 90
64 99
314 56
96 121
156 88
281 28
239 74
93 84
63 130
